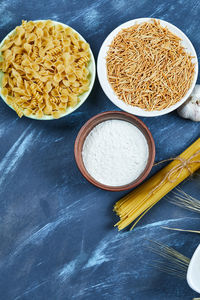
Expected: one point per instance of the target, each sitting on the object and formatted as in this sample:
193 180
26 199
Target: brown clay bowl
109 115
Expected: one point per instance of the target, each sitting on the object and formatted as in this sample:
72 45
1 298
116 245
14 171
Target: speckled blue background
57 240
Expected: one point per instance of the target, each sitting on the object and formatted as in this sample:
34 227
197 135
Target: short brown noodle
148 67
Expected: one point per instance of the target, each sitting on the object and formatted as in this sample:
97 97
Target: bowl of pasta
47 70
147 67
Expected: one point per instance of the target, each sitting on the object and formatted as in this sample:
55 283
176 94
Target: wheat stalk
176 263
182 230
184 200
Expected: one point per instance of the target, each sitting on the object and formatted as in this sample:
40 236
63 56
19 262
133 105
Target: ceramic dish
193 272
102 70
110 115
83 97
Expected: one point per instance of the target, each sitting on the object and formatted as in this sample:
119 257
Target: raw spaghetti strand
136 204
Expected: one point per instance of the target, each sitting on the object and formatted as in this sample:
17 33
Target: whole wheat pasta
148 67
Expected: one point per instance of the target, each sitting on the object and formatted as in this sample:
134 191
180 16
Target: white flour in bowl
115 152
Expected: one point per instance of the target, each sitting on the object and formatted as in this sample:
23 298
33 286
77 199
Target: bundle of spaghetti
148 67
136 204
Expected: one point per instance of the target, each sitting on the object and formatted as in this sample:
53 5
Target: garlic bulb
191 108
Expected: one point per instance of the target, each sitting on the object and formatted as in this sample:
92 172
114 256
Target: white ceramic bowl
193 273
102 70
83 97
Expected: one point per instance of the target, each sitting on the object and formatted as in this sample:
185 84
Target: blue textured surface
56 236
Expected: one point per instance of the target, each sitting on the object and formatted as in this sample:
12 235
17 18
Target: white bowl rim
84 96
192 272
102 70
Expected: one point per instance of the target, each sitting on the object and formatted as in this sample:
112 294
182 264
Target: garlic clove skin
191 108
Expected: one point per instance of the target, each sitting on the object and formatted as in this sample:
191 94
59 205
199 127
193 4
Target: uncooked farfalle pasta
45 68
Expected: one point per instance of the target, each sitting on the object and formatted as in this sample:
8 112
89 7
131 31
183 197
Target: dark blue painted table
56 236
